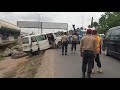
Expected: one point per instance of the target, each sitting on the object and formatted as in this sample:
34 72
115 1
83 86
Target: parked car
101 36
111 42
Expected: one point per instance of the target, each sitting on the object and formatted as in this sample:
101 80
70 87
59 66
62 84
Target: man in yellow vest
98 52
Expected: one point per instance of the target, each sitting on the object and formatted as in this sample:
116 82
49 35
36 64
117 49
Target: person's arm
62 40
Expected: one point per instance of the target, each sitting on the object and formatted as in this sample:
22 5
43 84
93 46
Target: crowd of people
90 49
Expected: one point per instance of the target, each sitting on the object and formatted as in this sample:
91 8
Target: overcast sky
77 18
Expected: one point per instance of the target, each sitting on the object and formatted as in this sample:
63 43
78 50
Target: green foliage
1 56
107 21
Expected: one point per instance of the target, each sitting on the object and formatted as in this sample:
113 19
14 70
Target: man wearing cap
64 43
98 52
74 42
88 46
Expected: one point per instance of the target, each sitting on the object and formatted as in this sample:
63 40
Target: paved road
70 66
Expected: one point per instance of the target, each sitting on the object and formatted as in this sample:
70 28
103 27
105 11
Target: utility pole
39 23
92 23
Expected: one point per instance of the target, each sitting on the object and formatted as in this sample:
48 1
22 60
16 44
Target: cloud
77 18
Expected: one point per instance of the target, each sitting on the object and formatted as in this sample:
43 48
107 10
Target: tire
106 51
59 45
38 52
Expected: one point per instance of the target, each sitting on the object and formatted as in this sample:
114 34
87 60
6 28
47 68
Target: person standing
64 43
98 52
74 39
88 46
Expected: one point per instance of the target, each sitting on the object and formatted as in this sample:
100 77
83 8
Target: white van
55 39
42 41
34 43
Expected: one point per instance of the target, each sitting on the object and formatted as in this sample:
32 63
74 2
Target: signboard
28 24
43 25
49 25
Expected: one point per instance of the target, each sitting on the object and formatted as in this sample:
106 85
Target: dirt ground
9 64
46 69
39 66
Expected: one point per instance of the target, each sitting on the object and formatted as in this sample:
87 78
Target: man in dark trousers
64 43
88 46
74 39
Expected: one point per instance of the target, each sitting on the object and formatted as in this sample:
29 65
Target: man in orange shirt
98 52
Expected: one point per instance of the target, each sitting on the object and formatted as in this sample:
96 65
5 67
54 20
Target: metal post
38 24
41 27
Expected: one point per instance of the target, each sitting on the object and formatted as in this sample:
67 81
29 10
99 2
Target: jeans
73 45
88 58
97 60
64 45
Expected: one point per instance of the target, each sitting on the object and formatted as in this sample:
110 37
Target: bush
1 56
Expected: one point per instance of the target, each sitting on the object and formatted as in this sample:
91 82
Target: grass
1 56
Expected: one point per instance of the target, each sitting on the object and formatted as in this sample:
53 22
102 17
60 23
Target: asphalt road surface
70 66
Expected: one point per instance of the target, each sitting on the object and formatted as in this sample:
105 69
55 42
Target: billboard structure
42 25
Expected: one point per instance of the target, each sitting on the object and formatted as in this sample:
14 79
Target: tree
108 20
95 24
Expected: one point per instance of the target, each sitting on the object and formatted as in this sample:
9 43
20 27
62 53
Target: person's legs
93 67
62 48
66 48
72 48
90 63
84 64
97 60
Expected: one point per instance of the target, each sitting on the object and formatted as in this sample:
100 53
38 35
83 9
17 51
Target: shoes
74 52
88 76
62 54
71 52
65 53
93 71
99 70
83 75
